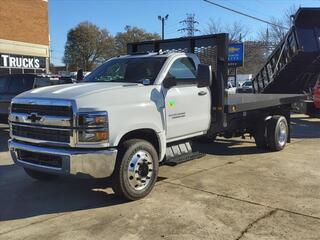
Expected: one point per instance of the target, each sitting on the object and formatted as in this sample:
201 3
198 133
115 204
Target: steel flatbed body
241 102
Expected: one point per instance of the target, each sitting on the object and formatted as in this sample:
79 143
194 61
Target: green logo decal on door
171 103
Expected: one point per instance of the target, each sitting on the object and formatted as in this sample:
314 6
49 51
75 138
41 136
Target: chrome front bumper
93 163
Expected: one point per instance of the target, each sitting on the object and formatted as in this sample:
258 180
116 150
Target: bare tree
274 34
237 31
289 13
214 26
253 50
254 57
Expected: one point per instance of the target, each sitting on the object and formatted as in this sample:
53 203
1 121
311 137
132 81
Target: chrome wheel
140 170
282 134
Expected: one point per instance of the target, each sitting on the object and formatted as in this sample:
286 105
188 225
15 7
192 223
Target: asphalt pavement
234 192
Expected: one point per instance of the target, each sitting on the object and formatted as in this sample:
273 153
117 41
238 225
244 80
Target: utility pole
189 25
163 19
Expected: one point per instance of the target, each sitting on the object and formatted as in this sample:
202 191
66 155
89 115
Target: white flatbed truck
136 111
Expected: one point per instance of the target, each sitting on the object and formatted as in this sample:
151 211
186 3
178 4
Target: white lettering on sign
19 62
37 63
12 62
5 60
30 63
24 62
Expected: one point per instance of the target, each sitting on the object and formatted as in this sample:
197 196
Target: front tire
136 169
40 176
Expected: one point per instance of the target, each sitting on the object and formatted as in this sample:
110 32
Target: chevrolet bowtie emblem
33 117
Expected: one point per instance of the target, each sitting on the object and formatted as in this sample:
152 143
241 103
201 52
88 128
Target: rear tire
136 169
277 133
260 135
40 176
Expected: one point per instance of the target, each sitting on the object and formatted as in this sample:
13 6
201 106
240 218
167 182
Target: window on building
3 84
20 83
16 70
29 71
4 71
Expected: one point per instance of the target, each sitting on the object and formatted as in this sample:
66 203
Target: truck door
187 106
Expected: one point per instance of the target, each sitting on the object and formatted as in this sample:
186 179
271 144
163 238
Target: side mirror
204 75
169 82
80 75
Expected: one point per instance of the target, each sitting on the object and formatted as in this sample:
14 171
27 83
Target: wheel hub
282 133
140 170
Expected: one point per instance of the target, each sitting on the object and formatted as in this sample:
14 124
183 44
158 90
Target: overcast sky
115 14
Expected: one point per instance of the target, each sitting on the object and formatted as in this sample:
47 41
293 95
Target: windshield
131 70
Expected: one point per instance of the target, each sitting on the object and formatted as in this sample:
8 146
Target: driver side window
183 70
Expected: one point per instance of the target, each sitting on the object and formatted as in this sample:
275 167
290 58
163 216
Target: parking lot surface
235 192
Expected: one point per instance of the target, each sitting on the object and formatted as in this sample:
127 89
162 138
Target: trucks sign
18 61
235 55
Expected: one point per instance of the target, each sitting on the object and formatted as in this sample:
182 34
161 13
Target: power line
246 8
244 14
172 26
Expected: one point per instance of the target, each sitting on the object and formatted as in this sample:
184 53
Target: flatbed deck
241 102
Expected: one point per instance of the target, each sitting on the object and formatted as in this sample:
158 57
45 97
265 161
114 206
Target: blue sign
235 55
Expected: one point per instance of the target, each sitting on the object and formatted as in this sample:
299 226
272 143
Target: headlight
95 119
93 127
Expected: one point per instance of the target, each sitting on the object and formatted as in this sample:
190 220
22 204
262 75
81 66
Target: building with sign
24 36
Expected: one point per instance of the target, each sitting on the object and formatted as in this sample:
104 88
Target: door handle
202 93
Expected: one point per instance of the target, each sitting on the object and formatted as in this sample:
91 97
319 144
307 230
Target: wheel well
145 134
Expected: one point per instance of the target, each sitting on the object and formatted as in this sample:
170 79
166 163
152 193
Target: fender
160 135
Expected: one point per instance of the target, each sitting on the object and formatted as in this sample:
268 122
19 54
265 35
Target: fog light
93 136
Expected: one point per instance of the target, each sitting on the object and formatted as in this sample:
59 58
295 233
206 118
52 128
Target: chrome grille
42 121
44 110
41 133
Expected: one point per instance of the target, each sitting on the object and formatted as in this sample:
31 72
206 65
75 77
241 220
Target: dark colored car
14 84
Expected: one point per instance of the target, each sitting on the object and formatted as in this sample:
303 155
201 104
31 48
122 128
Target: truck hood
100 96
74 91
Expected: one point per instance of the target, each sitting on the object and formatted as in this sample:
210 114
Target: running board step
180 153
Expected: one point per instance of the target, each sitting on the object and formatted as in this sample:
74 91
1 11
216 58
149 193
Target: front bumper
92 163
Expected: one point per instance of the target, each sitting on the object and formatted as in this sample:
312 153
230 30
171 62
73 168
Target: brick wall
24 21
